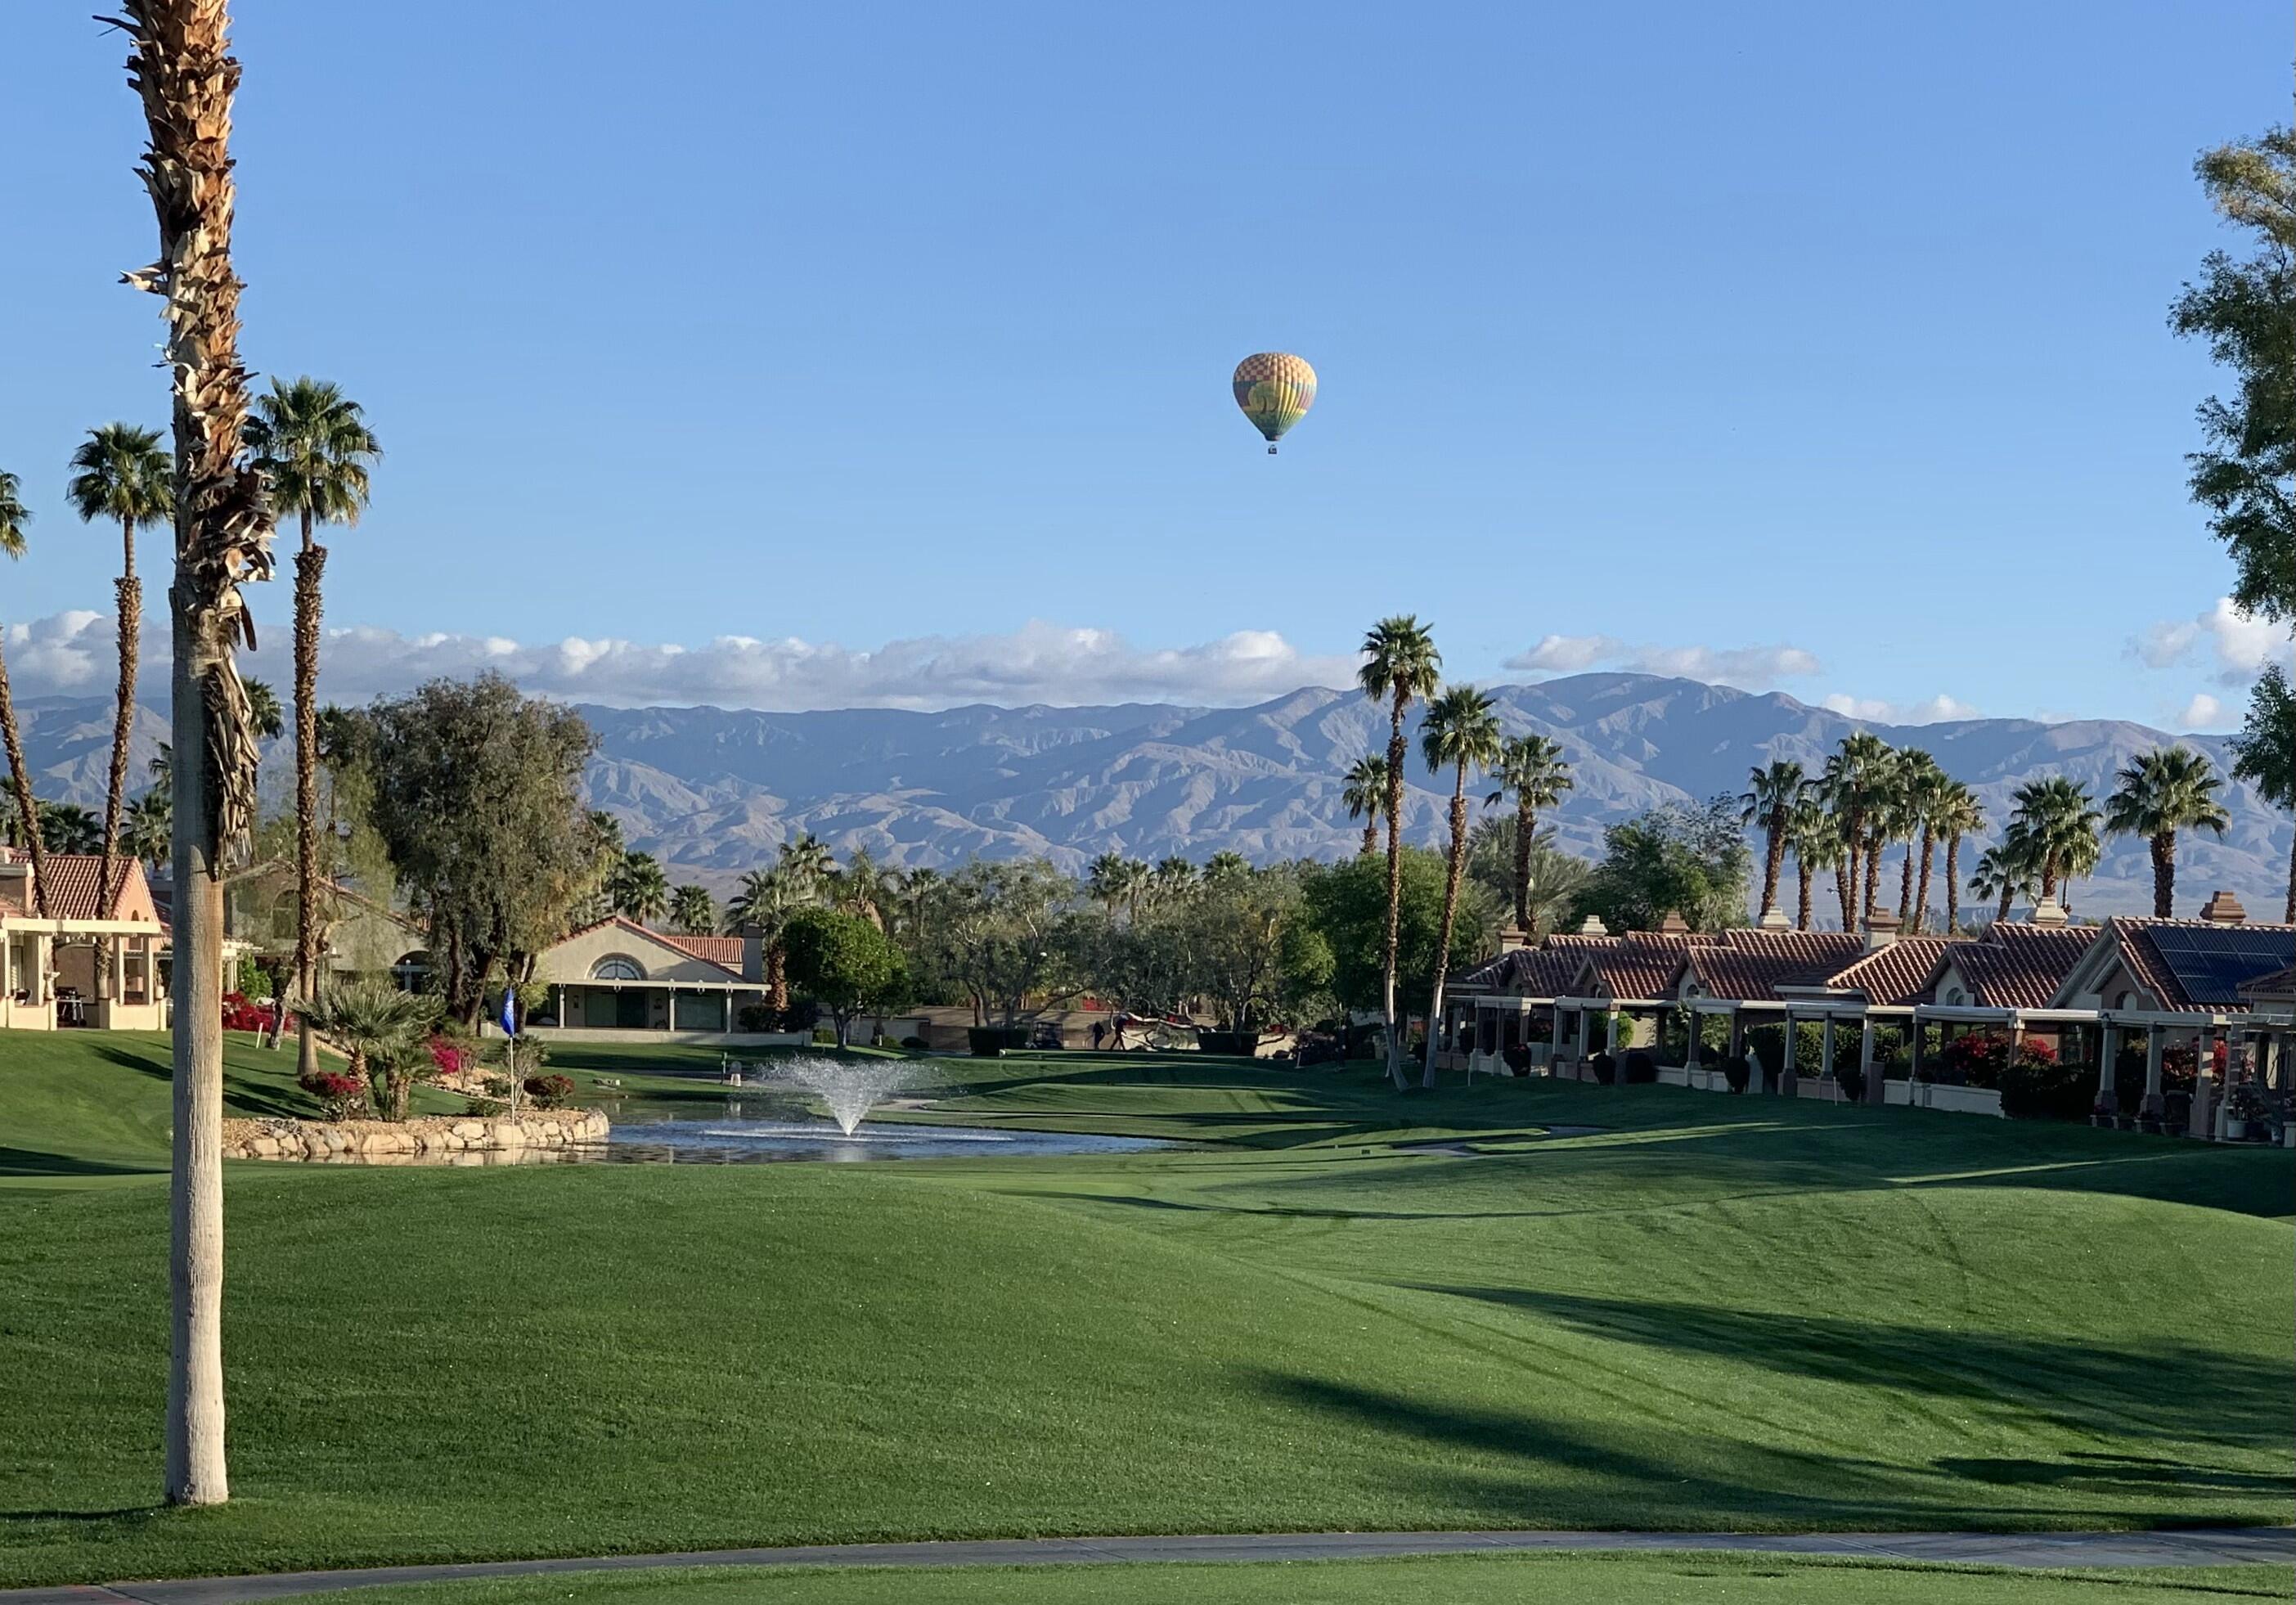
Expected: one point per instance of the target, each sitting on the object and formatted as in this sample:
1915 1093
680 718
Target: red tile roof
2015 966
726 951
75 883
1526 972
1638 966
685 945
1897 974
1751 965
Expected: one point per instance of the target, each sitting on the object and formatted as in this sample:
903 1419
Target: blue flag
510 1011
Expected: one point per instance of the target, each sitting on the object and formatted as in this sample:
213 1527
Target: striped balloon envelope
1274 388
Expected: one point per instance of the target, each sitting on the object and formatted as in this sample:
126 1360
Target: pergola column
2108 1053
1825 1047
2153 1046
1871 1082
1585 1033
1789 1084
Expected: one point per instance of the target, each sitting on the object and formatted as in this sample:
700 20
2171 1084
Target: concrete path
2207 1546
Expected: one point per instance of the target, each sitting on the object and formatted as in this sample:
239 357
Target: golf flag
510 1011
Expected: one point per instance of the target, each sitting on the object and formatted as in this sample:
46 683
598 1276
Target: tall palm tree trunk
2001 913
1873 874
2164 874
777 979
1526 827
123 727
1773 864
1922 888
1952 883
310 562
1455 865
19 782
1906 890
179 67
1398 751
1370 847
1845 894
2290 916
1803 875
1845 875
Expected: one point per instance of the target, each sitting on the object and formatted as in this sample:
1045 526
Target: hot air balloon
1274 388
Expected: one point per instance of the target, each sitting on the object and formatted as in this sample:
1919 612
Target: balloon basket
1271 451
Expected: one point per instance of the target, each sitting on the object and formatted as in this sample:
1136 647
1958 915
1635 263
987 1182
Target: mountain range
714 791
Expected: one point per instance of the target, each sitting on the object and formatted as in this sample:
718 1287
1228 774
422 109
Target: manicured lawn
1583 1579
1715 1312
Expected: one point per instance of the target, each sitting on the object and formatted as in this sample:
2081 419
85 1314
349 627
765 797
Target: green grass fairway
1477 1580
1715 1312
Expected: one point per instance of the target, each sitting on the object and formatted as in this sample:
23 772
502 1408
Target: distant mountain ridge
715 791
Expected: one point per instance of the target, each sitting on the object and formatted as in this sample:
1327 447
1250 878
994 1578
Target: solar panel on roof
2209 963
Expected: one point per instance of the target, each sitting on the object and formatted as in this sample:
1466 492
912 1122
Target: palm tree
123 474
1885 821
68 827
2160 792
692 909
13 516
1226 865
383 1030
640 889
1925 785
311 441
1400 664
1772 795
1850 785
1535 770
1815 838
263 713
2264 753
919 888
1954 812
180 66
763 902
806 865
1170 878
1461 732
860 888
1364 793
2056 828
151 821
1106 881
2004 872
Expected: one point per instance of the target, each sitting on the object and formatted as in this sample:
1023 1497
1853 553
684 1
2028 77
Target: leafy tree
1771 796
639 888
13 516
1364 794
2264 753
2160 792
313 444
383 1031
1003 930
692 909
1235 929
122 473
2245 311
475 794
1535 770
1346 907
1674 859
1400 666
843 962
1461 732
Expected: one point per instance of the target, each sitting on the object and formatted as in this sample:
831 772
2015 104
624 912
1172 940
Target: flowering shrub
549 1091
241 1015
340 1095
1981 1058
446 1057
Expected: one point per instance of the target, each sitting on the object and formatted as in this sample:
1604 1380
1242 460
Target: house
363 935
53 970
616 980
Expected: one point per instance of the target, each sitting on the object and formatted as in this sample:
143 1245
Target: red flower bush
241 1015
1982 1057
446 1057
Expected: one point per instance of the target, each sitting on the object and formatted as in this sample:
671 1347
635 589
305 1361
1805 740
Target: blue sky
1812 346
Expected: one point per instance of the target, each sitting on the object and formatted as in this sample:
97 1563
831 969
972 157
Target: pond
721 1140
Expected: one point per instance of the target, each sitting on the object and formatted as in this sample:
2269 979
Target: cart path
2200 1546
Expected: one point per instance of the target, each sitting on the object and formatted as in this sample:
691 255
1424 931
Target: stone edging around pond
275 1139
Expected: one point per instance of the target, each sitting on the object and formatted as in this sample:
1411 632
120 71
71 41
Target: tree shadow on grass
242 1095
31 1162
2165 1391
1518 1468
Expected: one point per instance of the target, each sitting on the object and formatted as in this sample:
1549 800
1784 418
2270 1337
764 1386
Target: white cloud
1935 711
72 654
2203 712
2238 646
1749 667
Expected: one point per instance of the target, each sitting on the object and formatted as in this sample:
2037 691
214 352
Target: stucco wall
573 959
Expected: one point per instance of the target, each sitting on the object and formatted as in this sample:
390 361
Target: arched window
411 972
618 967
1953 995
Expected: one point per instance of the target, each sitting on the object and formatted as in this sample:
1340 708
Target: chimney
1881 928
2048 914
1672 924
1514 937
1594 926
1776 920
2224 909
